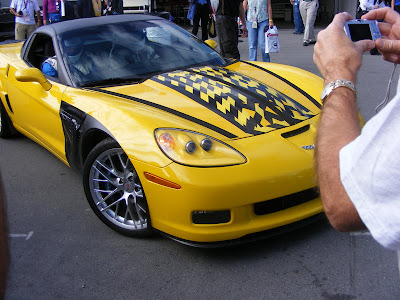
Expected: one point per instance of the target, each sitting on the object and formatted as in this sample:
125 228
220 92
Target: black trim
315 102
285 202
8 103
252 237
72 120
169 110
295 132
81 132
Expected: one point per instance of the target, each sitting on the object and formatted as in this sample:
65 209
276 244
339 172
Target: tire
5 130
114 191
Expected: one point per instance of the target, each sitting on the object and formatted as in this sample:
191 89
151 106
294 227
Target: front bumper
277 171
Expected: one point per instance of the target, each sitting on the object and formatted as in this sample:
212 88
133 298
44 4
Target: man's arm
242 19
12 10
39 18
337 57
269 8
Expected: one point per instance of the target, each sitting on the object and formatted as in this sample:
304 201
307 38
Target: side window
40 49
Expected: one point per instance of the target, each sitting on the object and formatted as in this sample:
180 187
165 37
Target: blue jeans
257 36
298 22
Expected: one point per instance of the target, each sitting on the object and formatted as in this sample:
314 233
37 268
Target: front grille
282 203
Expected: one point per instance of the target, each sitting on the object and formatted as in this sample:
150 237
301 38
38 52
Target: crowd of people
56 11
256 18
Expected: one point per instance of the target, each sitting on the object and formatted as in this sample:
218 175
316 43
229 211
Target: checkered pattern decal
248 104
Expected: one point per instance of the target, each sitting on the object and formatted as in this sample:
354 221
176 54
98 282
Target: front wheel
114 191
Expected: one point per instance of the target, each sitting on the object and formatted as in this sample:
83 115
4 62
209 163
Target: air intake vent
282 203
296 132
211 217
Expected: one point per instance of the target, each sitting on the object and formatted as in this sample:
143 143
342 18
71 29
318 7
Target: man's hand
335 55
245 31
389 45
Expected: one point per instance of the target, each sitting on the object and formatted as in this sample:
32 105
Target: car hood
229 100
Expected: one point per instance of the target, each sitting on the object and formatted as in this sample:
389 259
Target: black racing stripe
308 96
169 110
243 90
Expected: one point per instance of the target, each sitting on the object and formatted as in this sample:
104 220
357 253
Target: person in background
259 18
358 169
85 8
396 5
24 12
71 10
227 26
97 8
203 11
308 10
49 67
365 6
4 252
51 11
298 22
112 7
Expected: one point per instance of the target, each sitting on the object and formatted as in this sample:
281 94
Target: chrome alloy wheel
117 192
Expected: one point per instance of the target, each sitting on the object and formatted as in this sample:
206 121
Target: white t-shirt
370 173
28 8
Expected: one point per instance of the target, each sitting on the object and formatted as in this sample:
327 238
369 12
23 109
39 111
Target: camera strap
386 99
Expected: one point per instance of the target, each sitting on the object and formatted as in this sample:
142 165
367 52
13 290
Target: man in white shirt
359 171
24 12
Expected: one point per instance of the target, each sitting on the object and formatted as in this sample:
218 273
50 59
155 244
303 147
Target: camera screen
360 32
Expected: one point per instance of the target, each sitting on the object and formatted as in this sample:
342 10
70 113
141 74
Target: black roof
66 26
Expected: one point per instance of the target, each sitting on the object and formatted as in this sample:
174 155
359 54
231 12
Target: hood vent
298 131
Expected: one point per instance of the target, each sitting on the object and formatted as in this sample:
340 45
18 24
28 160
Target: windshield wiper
111 81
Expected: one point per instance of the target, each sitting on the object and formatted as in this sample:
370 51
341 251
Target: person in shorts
24 12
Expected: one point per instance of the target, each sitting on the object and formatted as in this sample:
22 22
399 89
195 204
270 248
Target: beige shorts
22 31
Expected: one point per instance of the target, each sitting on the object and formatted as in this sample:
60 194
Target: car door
36 108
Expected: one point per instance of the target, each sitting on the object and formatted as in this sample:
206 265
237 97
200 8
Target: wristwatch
335 84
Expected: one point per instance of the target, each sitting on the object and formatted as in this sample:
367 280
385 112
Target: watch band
335 84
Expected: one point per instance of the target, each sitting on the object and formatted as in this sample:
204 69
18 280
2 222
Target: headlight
196 149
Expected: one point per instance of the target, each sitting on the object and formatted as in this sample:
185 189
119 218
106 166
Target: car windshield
131 51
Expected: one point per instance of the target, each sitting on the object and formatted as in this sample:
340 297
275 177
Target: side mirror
213 44
33 75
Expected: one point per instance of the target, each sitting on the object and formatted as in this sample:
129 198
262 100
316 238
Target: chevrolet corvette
168 135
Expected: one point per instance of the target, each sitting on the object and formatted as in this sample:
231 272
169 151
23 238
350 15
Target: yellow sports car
169 135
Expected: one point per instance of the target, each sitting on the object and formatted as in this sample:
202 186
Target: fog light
211 217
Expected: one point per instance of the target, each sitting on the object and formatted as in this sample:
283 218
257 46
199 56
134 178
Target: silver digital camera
358 29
